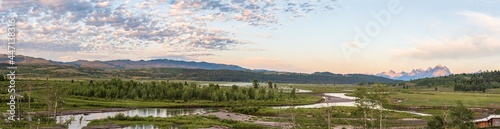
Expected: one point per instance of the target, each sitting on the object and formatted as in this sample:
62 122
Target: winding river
350 103
82 120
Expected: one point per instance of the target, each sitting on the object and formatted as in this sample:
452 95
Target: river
346 101
82 120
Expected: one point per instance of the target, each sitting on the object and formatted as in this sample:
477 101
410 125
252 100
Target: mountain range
176 70
437 71
124 64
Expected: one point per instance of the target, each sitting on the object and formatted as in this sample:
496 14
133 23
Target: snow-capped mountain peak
391 74
437 71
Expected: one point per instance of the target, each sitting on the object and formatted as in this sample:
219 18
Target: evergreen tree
437 122
461 117
255 83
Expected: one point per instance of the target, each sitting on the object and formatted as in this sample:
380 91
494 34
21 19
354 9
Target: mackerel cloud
117 25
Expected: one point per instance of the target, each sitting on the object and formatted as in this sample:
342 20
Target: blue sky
287 35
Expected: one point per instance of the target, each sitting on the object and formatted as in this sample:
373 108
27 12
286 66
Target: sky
339 36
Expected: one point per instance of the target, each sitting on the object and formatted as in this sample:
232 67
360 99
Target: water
81 120
142 127
322 105
340 95
287 89
351 103
152 127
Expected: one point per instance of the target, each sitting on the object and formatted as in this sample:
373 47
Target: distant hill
480 81
437 71
124 64
72 72
174 70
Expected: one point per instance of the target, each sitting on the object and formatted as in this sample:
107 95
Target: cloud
463 48
466 47
484 20
191 56
120 25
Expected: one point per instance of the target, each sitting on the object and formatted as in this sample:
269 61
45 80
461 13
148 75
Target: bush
120 116
247 110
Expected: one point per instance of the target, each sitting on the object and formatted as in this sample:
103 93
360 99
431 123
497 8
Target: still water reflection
82 120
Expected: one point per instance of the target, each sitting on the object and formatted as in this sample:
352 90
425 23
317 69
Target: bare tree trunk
48 108
55 107
364 112
380 121
444 121
329 118
55 110
29 107
19 108
372 118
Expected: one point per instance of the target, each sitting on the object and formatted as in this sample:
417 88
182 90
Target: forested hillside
59 71
464 82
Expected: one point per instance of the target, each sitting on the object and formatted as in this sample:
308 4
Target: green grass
437 99
79 102
316 117
493 91
75 103
190 122
95 102
440 112
304 118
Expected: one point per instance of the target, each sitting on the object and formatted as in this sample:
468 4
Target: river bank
82 117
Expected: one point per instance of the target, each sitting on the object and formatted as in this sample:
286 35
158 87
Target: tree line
464 82
63 71
164 90
458 117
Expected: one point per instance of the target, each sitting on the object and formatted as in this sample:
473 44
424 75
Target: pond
82 120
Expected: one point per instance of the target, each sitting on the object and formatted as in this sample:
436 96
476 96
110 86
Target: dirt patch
247 118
